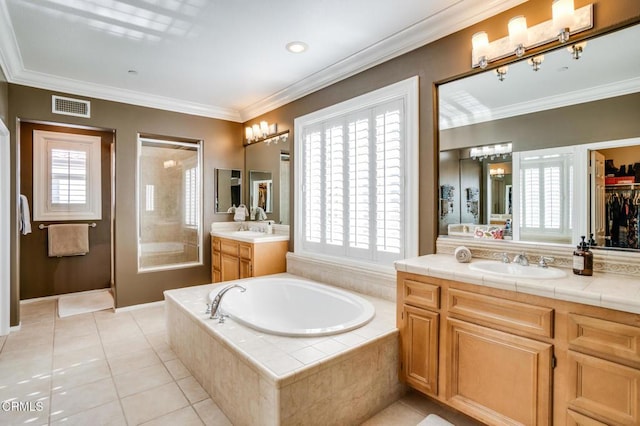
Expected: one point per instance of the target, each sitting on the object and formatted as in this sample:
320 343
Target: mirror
228 190
271 158
261 192
584 104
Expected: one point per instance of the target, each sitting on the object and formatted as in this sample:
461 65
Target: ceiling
216 58
609 66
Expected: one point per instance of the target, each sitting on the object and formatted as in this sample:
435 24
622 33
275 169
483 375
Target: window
66 176
191 196
546 195
358 177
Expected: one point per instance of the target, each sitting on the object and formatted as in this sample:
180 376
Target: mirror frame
544 49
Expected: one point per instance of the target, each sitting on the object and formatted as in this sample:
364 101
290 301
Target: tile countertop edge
267 238
445 266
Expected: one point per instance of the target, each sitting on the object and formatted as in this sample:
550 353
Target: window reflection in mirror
228 190
567 103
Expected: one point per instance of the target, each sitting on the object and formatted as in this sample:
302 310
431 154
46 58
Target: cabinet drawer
577 419
215 244
421 295
246 250
229 247
503 314
603 389
604 338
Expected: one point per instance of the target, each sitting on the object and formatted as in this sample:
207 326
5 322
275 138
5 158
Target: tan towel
68 240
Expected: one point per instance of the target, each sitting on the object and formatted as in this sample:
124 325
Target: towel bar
90 225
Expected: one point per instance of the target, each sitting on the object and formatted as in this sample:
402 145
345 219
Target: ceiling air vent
70 106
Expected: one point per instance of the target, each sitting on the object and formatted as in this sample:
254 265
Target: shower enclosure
169 204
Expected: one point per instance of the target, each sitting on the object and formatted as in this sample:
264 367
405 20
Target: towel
24 222
241 213
260 214
68 239
434 420
463 254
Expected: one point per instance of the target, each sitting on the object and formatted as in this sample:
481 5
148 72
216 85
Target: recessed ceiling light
297 47
132 72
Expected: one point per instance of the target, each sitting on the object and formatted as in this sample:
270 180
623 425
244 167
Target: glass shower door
169 204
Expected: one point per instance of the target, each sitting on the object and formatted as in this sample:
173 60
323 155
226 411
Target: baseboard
140 306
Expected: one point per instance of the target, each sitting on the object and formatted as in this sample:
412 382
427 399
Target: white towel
24 222
463 254
260 214
68 239
241 213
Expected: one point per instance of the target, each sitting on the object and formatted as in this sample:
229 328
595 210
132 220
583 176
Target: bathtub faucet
215 305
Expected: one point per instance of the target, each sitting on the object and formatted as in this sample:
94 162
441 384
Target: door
597 194
420 349
5 211
229 267
40 274
498 377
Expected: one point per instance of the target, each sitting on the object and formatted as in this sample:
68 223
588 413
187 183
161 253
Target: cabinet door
246 268
229 267
419 340
603 389
498 377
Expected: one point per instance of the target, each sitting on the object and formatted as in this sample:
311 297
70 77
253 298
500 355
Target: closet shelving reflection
623 215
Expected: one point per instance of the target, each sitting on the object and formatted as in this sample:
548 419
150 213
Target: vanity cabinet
233 259
507 358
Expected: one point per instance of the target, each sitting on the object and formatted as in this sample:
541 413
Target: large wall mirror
228 190
546 155
267 166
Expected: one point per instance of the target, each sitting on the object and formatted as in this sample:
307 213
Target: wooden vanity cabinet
232 259
508 358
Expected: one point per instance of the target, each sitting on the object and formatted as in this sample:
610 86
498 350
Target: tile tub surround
608 261
614 291
379 283
257 378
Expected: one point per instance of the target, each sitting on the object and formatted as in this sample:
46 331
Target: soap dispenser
583 259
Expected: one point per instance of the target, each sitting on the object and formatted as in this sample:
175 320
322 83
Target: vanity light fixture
264 132
535 62
491 151
502 72
497 173
577 49
518 34
566 20
480 43
563 18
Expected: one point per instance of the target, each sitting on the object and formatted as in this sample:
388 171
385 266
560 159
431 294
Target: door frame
5 230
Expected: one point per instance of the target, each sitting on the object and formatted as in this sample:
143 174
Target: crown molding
611 90
456 17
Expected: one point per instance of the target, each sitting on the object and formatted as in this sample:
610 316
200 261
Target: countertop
614 291
250 236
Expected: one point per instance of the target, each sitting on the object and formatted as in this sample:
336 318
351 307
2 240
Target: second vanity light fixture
264 132
566 21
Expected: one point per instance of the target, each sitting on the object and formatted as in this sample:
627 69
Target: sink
516 271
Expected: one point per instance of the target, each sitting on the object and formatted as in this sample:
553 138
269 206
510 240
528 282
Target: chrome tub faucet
215 305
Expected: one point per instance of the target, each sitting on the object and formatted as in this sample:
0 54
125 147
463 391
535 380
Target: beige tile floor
108 368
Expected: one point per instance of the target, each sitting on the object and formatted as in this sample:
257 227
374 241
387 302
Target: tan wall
438 61
222 148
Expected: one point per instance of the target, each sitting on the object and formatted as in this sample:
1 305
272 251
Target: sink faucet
215 305
521 259
543 261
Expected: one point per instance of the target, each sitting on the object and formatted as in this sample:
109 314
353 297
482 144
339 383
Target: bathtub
295 307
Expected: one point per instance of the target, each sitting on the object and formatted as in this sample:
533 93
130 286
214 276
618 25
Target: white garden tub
295 307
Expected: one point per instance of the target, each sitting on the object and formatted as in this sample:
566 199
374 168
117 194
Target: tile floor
108 368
